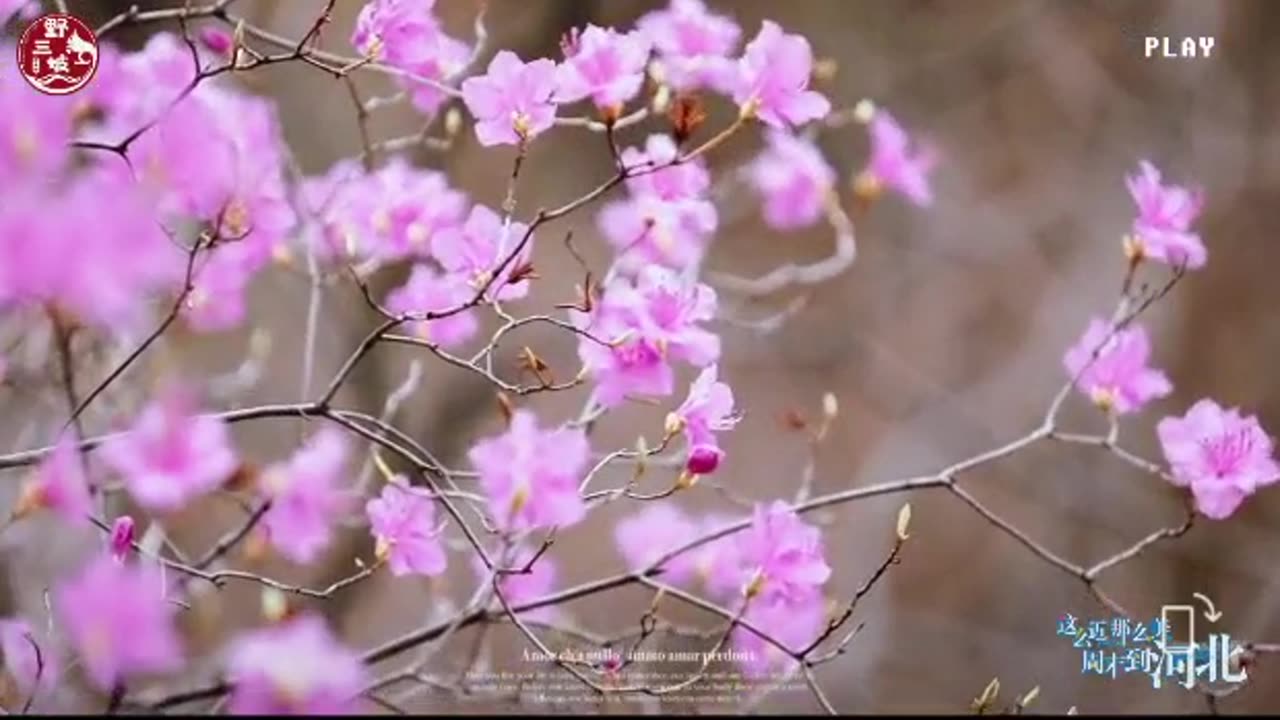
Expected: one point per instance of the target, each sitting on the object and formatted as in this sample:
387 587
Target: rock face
943 340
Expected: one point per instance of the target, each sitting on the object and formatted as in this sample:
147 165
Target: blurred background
944 339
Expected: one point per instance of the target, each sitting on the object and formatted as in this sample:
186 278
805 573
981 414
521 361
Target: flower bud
1030 697
830 406
864 111
825 69
216 39
610 114
30 500
1103 398
1134 249
256 546
867 187
452 122
988 696
121 541
703 459
275 605
673 425
382 549
904 522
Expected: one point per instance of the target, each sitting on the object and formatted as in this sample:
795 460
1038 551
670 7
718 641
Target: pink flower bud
121 537
704 459
215 39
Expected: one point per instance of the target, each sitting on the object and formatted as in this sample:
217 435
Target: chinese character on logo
58 54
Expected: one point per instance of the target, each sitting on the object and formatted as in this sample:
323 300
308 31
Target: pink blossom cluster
1220 455
667 218
206 156
407 35
775 569
1162 228
515 100
638 327
48 261
794 179
693 46
459 252
531 475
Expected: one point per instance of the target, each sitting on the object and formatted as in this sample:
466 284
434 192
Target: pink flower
171 455
120 543
59 485
521 588
344 200
651 533
394 212
707 411
531 476
27 658
772 82
794 179
637 328
632 367
512 102
428 291
693 45
1221 455
782 556
403 520
118 620
667 309
26 9
896 163
718 563
602 64
1118 379
406 34
647 230
795 625
102 278
35 131
229 173
306 497
1162 230
394 31
667 220
476 249
411 208
672 181
217 298
297 668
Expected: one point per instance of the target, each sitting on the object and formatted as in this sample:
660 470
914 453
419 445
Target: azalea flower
1221 455
531 476
1118 378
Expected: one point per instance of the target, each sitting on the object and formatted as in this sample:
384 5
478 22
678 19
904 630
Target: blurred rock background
943 340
